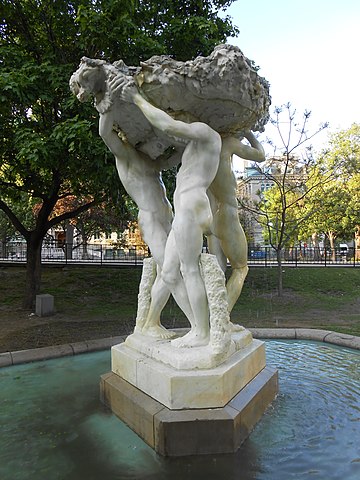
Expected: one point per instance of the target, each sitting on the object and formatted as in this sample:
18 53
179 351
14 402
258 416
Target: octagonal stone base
185 389
190 431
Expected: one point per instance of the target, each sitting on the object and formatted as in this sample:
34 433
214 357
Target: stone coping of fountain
45 353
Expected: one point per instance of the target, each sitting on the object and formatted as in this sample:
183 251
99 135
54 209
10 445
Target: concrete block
5 359
343 340
311 334
45 353
44 305
253 401
273 332
194 432
135 408
79 347
190 431
179 389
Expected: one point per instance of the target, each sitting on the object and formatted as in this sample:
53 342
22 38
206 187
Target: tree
326 204
280 207
102 218
343 157
351 219
97 220
7 230
49 144
24 210
335 205
140 29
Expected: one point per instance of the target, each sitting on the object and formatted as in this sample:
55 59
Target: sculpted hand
129 91
247 133
122 86
116 84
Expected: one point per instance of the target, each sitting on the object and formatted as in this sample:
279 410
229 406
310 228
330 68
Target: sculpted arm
107 133
254 152
165 162
111 138
160 119
106 128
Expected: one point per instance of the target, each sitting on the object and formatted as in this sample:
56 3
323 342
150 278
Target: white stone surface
197 358
193 114
221 90
214 282
178 389
144 297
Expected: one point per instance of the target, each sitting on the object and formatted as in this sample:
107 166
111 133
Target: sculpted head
89 79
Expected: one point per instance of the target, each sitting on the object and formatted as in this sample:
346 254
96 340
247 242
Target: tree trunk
315 242
331 238
357 243
85 253
280 273
69 241
33 271
3 244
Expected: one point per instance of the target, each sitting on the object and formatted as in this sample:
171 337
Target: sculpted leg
168 280
234 245
189 237
172 278
214 242
160 294
155 229
214 245
235 284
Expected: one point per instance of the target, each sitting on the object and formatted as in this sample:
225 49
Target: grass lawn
94 302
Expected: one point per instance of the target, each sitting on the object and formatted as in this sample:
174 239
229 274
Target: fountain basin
54 426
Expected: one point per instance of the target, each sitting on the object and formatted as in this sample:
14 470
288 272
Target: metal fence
297 256
56 252
60 253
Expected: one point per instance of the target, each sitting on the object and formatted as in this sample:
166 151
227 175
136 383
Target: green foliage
49 143
169 179
134 30
275 201
343 152
335 202
280 209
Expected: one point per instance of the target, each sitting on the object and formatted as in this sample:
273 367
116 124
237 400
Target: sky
309 51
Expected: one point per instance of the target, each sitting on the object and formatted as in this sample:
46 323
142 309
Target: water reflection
54 427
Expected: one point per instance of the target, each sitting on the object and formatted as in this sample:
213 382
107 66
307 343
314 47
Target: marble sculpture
194 114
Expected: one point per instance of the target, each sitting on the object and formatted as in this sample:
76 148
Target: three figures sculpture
194 114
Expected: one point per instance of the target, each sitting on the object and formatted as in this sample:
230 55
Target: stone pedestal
44 305
190 388
188 411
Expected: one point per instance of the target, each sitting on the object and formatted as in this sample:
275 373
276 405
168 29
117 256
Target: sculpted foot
191 339
236 328
157 331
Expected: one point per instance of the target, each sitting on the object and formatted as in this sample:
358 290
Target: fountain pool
53 426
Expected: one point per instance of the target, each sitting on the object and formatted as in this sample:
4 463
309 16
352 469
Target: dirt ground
21 330
110 309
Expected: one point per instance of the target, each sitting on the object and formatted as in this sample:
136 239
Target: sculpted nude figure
193 216
141 177
228 240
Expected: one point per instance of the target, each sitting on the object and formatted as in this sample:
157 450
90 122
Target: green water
53 426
